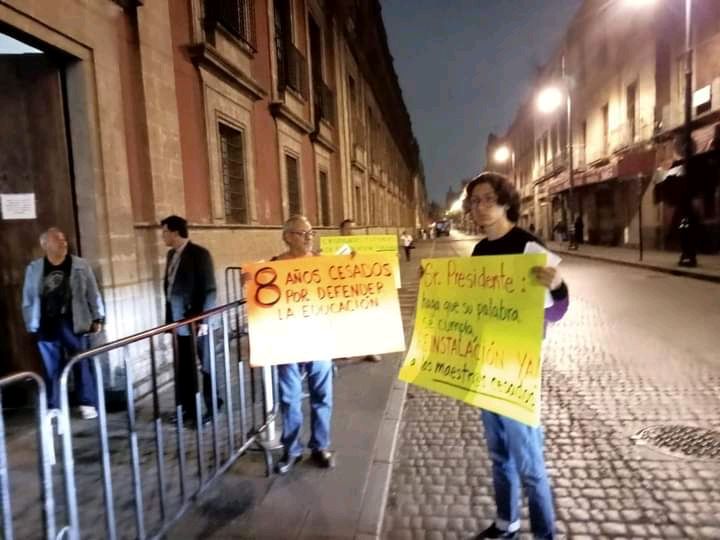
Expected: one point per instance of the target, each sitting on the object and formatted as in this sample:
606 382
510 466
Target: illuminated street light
502 154
457 206
549 99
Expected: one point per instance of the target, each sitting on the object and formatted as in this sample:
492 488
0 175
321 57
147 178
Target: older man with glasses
298 236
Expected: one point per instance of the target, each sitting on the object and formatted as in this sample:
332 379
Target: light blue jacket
87 304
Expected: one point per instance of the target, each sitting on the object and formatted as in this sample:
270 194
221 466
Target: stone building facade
232 113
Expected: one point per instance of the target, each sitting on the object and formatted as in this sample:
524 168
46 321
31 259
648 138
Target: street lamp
549 100
502 155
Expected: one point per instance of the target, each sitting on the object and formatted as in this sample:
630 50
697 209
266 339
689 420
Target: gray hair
44 236
287 226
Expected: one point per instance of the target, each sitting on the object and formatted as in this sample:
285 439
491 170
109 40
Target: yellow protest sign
318 308
478 333
361 243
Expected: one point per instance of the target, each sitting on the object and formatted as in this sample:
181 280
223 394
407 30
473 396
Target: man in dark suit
190 289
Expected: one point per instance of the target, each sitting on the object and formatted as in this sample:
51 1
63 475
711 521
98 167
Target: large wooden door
34 158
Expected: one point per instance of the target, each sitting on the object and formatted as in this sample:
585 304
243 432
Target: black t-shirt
512 243
56 304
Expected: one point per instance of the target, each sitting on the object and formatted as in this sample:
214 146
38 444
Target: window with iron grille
236 16
232 152
293 184
324 198
291 64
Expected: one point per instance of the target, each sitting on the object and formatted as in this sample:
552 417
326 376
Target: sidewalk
346 503
662 261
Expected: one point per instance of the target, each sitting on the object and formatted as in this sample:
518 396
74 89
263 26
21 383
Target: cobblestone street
637 349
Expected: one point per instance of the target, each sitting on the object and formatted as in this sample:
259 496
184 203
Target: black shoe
286 463
324 458
493 532
207 417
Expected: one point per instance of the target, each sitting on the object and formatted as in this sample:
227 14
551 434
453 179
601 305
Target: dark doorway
34 159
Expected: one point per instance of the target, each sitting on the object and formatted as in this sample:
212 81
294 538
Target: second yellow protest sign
361 243
319 308
478 333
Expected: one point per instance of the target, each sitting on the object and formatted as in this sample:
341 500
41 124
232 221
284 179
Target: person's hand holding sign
547 276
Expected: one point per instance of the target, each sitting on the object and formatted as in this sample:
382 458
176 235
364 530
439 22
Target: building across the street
624 65
233 113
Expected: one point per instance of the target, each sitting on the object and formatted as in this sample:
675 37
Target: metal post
687 257
572 244
640 218
269 401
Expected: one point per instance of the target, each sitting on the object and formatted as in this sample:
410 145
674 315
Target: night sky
464 67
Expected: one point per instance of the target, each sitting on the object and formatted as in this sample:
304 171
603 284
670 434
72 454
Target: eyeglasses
304 234
490 200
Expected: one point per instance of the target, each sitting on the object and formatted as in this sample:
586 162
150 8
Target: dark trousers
186 375
407 252
55 349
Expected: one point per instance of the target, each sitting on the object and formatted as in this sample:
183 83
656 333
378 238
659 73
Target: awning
663 174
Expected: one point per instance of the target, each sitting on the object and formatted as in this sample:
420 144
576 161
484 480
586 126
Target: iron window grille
293 185
232 152
235 16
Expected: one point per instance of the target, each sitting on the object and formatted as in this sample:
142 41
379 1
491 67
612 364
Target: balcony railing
235 16
324 101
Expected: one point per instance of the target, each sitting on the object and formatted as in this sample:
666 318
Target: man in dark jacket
190 289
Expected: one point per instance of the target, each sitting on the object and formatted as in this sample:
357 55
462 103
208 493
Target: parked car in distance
442 228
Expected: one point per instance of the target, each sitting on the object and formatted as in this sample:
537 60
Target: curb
637 264
377 487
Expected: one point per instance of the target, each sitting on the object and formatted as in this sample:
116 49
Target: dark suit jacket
194 289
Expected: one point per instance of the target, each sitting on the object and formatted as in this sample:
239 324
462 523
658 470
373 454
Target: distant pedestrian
516 450
532 228
346 227
406 240
298 235
579 229
61 307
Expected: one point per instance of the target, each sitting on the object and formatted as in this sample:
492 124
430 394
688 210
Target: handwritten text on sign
364 243
318 308
478 333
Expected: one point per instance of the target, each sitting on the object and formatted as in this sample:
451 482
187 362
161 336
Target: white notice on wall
18 205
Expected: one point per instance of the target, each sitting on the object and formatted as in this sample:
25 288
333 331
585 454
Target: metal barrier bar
213 395
5 482
134 454
47 452
44 450
228 393
159 446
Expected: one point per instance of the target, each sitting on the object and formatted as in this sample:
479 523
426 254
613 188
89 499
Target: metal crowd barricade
44 457
148 460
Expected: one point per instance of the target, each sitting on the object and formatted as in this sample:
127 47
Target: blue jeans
55 349
319 379
516 451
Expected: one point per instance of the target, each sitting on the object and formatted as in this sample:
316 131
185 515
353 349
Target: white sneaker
87 412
